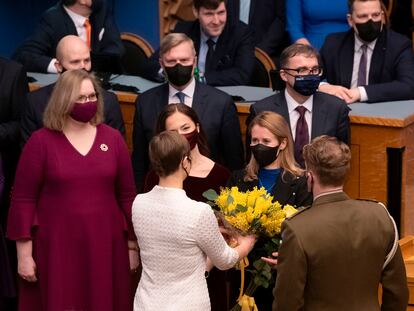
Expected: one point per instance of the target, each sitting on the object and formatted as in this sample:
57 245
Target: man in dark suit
368 63
335 253
13 89
308 112
90 20
225 50
72 53
215 109
266 18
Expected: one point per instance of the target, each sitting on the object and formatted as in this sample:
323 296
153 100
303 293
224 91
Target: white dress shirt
188 92
357 60
244 11
294 115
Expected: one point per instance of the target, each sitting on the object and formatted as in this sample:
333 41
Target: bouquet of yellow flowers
252 212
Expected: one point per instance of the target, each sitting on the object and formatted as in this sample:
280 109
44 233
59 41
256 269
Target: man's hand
348 95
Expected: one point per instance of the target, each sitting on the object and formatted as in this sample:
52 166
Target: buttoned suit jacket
38 50
332 258
32 118
329 114
218 117
391 75
267 21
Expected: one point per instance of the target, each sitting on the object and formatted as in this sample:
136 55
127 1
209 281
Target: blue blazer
38 50
218 117
391 75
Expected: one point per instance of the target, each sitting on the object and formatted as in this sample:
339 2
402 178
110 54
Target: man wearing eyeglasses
71 53
308 112
368 63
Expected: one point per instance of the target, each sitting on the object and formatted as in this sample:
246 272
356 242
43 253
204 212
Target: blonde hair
172 40
329 159
65 94
277 125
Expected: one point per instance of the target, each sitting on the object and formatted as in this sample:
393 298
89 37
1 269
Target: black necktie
209 56
362 71
301 136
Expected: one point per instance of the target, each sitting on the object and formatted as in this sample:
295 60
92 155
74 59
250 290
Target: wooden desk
407 249
382 145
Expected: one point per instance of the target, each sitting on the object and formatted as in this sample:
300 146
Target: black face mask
179 75
307 85
369 30
264 155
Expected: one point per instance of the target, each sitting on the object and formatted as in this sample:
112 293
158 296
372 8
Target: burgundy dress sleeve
27 186
125 187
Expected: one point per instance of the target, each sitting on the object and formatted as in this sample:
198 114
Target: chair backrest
137 52
264 64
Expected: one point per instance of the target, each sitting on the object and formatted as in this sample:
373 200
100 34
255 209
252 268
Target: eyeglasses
303 71
85 98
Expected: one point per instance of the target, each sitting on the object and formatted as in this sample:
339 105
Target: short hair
166 152
174 39
328 158
351 4
297 49
169 110
65 94
207 4
278 126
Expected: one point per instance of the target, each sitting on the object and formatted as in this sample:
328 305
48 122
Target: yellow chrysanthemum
289 210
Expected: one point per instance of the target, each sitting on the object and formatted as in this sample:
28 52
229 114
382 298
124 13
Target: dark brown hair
297 49
169 110
166 152
351 4
207 4
329 159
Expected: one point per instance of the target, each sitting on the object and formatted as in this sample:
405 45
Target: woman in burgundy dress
204 174
71 207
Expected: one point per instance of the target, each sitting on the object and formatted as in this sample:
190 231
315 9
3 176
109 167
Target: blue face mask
306 85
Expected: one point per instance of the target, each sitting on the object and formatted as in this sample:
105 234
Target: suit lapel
252 9
346 60
283 107
199 100
319 115
378 57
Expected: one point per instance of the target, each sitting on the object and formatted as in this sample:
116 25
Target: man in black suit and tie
71 53
13 89
368 63
225 50
308 112
266 18
215 109
89 19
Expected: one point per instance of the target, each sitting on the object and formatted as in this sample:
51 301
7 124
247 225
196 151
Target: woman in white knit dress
176 235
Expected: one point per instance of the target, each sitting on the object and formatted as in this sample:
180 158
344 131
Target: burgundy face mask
192 138
84 112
